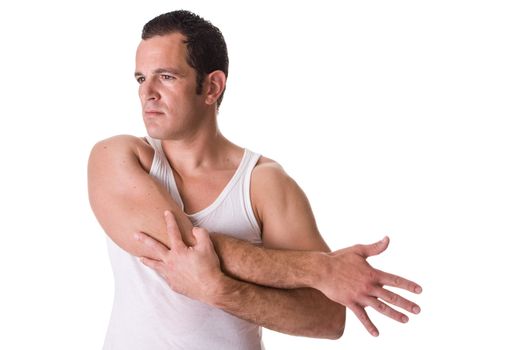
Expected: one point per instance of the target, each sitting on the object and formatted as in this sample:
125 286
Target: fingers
397 300
389 279
155 265
154 249
362 316
386 310
375 248
173 231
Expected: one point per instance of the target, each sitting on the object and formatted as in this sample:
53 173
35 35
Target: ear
216 83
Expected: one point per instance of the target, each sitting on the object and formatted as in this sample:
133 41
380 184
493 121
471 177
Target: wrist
320 269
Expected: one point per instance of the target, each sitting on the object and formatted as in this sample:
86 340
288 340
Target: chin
159 133
154 131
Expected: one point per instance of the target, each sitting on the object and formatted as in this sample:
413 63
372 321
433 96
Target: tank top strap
246 183
161 170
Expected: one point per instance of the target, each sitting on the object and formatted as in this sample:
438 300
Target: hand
192 271
352 282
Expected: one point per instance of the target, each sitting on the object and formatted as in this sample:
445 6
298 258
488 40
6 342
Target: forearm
303 312
269 267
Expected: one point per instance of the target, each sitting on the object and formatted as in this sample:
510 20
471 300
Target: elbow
337 324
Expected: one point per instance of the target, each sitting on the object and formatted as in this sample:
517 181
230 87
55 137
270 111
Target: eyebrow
161 71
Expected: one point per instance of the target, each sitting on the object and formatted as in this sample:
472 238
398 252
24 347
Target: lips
152 113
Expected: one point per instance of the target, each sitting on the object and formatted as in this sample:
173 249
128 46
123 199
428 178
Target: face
171 109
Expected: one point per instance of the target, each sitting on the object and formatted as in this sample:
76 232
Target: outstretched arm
344 276
127 200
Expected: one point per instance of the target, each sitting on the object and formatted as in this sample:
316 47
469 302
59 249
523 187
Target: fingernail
404 319
418 289
375 333
416 309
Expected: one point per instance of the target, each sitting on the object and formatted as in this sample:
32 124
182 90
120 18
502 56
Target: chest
199 191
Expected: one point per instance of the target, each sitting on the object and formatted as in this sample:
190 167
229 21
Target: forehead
162 51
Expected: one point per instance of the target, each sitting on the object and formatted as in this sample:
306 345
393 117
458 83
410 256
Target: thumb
375 248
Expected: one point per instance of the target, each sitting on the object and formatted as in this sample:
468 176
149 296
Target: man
158 198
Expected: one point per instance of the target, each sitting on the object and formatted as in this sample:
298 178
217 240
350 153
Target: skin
292 284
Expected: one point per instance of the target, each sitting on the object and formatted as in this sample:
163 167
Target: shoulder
270 184
116 165
268 173
121 147
271 187
120 142
283 210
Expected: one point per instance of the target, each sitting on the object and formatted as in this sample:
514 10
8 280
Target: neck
204 149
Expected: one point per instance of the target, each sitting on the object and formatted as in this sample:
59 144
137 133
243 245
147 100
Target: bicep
287 218
125 198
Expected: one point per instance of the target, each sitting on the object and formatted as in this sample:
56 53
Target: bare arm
127 200
290 235
287 223
344 276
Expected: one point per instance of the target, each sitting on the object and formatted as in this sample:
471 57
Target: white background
403 118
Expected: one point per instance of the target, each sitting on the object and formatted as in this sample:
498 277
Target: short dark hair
206 47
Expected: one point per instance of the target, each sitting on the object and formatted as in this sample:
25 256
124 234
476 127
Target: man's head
206 48
181 68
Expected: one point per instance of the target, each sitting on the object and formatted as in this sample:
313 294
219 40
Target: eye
167 77
140 80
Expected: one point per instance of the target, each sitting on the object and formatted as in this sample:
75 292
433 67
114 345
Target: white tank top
147 314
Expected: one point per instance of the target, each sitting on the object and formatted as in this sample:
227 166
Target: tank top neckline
229 186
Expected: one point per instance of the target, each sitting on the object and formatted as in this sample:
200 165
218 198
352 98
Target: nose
148 90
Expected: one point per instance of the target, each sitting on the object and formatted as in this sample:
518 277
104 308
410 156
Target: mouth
152 113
